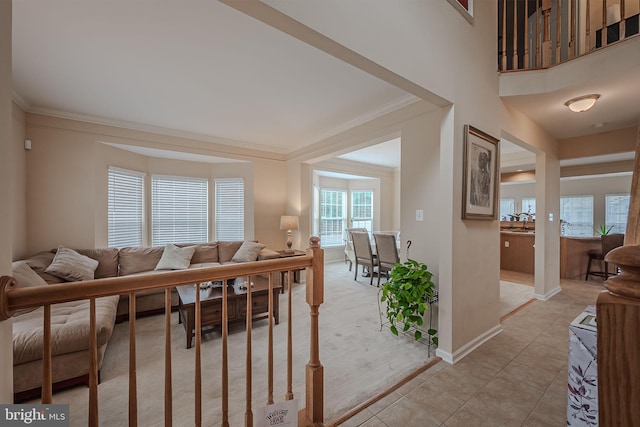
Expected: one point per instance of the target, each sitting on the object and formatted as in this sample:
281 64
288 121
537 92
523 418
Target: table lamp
289 222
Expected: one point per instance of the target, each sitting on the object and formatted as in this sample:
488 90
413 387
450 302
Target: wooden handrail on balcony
12 299
575 32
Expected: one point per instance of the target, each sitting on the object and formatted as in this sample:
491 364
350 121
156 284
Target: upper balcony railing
536 34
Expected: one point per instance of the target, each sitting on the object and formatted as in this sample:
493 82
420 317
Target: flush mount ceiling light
582 103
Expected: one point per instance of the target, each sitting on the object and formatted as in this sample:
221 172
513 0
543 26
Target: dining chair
607 242
363 254
387 252
349 255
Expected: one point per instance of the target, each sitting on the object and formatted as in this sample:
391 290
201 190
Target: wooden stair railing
12 299
618 317
542 33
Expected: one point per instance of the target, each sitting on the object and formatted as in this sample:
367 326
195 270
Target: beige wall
7 194
617 141
67 185
19 184
468 273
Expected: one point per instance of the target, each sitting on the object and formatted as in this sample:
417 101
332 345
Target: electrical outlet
506 244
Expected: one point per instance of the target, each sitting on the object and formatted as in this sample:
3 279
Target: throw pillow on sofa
248 252
72 266
175 258
25 278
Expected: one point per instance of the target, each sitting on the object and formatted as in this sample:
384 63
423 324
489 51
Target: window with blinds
577 211
616 212
507 208
179 210
229 208
125 208
333 216
362 210
529 205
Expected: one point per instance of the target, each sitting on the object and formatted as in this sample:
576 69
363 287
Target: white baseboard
463 351
548 294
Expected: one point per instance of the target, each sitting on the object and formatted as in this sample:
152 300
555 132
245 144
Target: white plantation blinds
616 212
179 210
333 216
577 211
126 208
362 210
229 209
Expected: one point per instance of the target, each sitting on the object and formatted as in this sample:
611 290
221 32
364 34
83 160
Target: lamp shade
288 222
582 103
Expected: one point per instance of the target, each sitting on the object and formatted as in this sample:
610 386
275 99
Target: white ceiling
384 154
200 68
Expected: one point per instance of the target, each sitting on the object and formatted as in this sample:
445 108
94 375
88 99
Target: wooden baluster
168 388
622 20
93 366
558 31
590 43
248 413
504 35
47 377
516 66
270 346
198 367
572 23
538 38
133 386
604 23
289 395
546 39
526 64
314 396
225 355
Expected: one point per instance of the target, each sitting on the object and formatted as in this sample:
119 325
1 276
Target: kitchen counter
574 256
517 253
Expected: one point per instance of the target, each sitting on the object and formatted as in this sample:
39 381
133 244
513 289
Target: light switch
419 215
506 244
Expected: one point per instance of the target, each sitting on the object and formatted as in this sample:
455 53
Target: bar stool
608 242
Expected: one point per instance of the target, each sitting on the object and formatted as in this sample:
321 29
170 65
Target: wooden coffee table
211 305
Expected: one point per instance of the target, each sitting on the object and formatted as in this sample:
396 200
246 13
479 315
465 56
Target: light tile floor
518 378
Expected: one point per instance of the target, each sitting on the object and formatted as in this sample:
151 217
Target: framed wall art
465 7
481 168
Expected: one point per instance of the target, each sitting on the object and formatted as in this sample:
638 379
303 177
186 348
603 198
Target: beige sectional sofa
70 321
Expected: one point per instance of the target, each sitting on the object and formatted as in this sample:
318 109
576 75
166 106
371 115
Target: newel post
315 371
618 314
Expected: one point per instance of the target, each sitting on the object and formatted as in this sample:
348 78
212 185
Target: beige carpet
513 295
359 360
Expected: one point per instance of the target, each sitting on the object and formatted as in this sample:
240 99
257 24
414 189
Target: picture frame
465 7
481 175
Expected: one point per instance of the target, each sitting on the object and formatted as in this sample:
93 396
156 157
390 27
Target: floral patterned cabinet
582 405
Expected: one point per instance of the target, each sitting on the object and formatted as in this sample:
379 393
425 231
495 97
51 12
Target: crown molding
124 124
20 101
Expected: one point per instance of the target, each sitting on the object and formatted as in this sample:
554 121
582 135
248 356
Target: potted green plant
603 230
406 295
